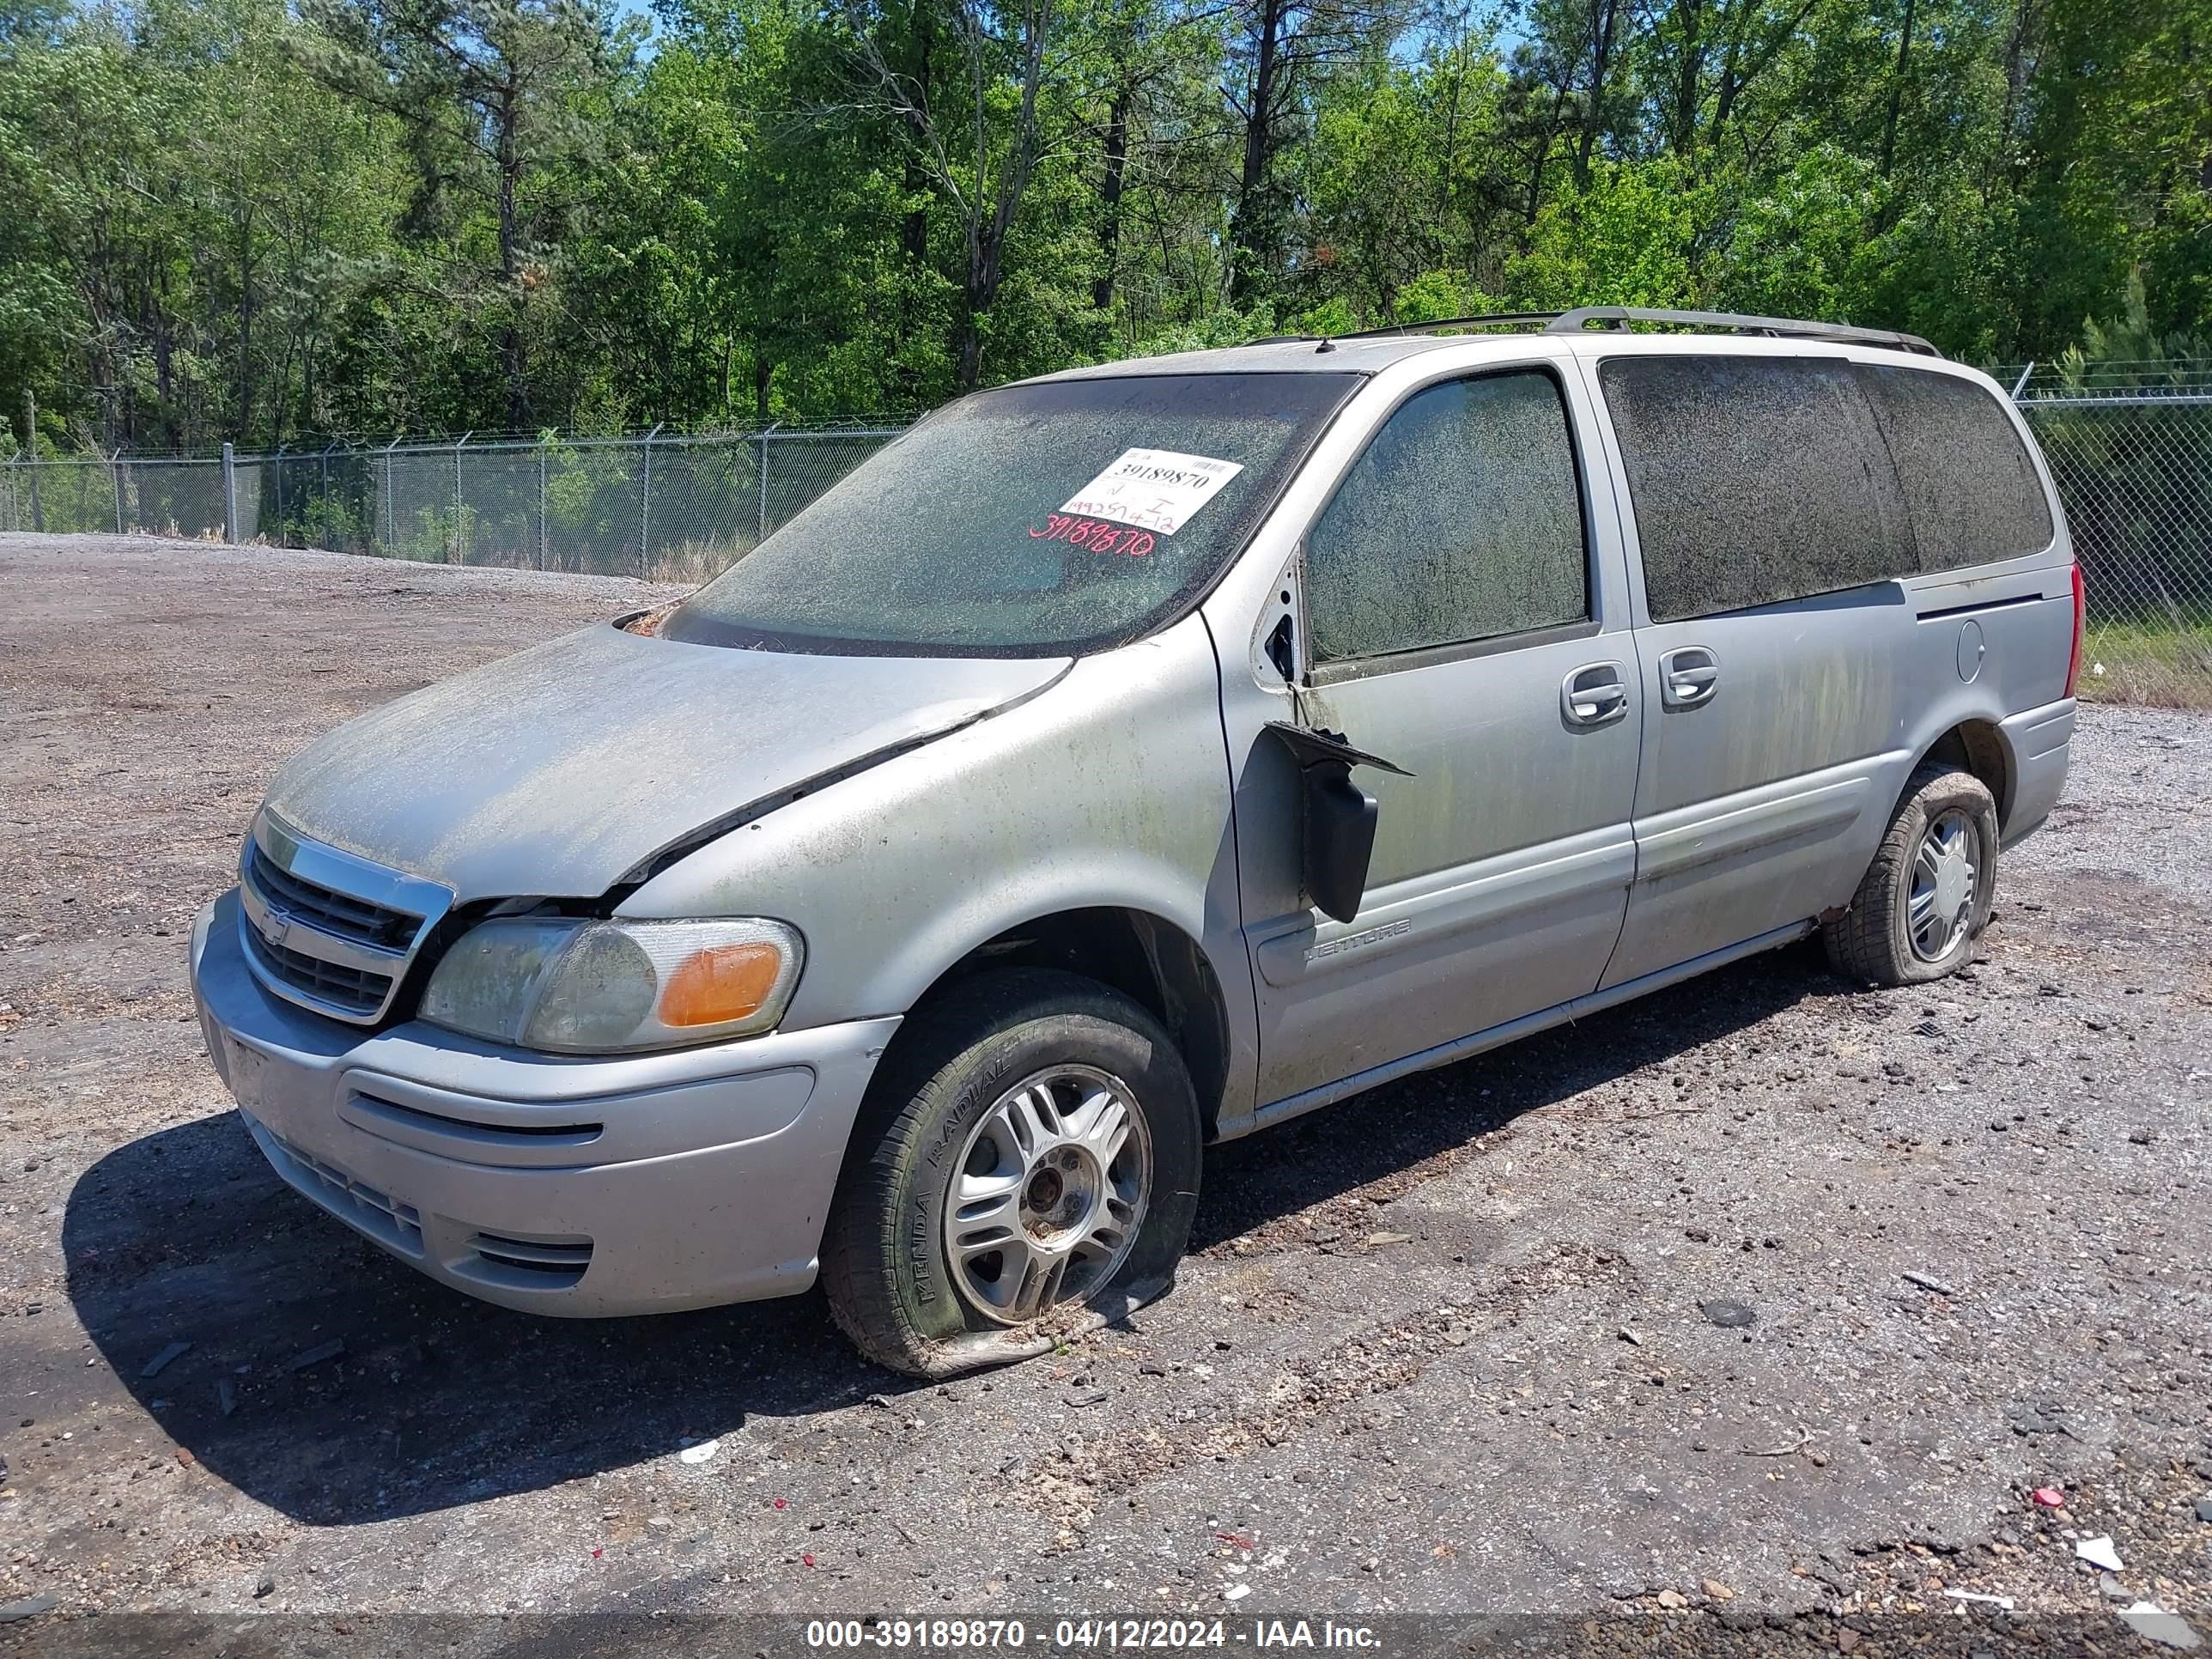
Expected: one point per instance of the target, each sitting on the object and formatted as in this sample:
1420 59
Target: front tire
1025 1165
1927 896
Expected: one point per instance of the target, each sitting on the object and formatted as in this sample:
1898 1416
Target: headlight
589 987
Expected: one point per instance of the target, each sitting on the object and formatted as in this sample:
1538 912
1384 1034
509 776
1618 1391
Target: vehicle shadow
1388 1131
437 1399
186 1236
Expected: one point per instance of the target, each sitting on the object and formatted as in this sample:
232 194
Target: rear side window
1754 480
1972 490
1461 520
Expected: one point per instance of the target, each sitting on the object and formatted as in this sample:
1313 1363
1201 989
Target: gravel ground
1446 1349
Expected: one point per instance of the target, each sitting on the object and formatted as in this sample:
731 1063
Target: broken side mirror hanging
1339 816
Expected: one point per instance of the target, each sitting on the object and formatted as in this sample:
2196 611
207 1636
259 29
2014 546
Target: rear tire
1927 896
1062 1113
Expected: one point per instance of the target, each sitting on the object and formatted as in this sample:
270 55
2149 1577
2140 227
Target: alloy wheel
1048 1194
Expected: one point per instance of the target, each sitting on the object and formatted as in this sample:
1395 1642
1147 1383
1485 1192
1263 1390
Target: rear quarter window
1968 483
1754 480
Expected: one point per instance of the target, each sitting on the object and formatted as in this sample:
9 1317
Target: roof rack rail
1616 317
1782 328
1486 319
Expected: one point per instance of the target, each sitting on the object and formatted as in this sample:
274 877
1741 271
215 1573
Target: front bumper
633 1184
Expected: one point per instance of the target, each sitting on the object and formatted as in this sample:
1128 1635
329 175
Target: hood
556 772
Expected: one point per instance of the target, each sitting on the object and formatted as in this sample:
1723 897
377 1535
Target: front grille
349 988
340 914
326 929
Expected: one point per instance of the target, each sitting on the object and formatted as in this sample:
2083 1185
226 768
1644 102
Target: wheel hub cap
1048 1194
1943 880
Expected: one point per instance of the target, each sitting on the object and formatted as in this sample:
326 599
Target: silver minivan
1130 759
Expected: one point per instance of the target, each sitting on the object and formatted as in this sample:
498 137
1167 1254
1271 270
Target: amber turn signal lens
720 984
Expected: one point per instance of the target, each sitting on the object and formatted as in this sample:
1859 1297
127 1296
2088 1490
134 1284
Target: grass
2149 661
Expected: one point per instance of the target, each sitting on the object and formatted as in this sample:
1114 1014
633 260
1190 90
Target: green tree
230 218
1627 239
501 103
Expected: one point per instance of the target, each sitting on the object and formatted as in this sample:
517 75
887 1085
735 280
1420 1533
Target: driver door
1452 623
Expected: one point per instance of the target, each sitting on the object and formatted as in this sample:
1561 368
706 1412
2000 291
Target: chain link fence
2134 466
2135 470
675 509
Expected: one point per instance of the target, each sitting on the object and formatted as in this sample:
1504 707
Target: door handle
1688 676
1594 695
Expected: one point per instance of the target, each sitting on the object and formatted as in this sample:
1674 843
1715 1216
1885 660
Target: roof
1281 357
1370 350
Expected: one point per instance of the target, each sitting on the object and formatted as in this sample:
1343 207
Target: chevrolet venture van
1133 758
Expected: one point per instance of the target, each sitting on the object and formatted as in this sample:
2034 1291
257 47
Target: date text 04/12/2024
1085 1635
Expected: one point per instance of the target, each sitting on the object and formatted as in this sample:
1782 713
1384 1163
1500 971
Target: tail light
2081 606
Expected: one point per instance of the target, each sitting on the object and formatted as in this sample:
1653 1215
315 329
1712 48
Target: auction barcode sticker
1152 488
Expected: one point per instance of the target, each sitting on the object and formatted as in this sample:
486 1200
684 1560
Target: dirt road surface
1448 1348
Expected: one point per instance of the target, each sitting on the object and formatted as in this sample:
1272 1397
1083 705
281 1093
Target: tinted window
1032 520
1754 480
1461 520
1968 483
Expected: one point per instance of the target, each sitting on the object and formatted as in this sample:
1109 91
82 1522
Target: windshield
1034 520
